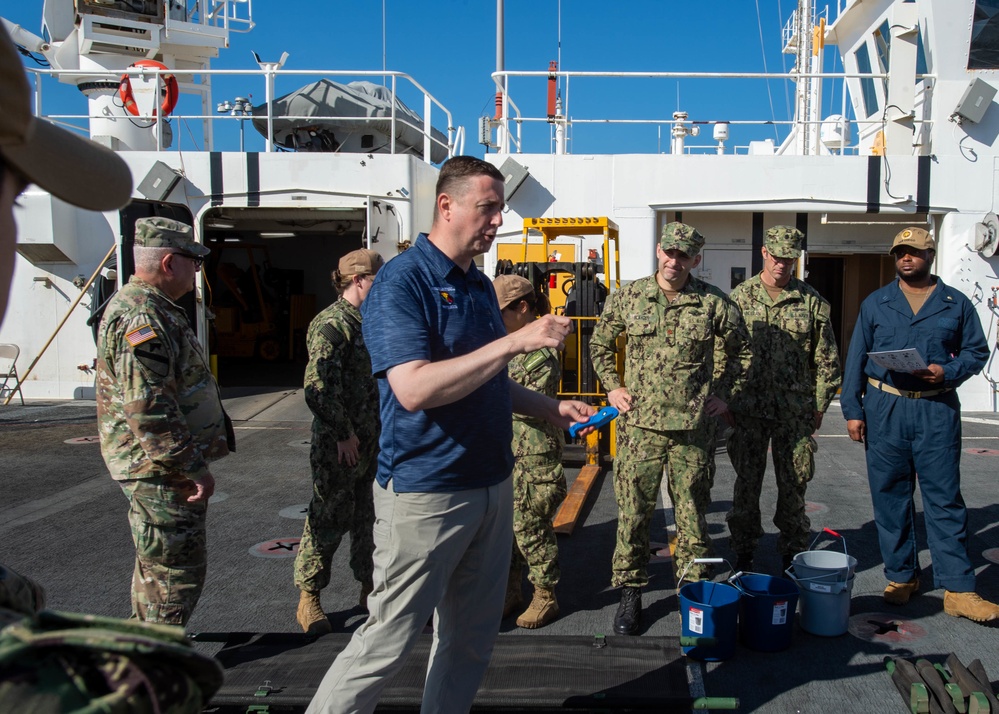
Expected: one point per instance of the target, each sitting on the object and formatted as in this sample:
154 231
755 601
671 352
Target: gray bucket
823 570
825 613
825 581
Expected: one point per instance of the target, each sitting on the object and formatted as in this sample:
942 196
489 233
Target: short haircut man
792 380
443 497
687 353
161 421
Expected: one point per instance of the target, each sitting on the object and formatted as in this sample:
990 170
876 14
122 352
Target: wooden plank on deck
572 506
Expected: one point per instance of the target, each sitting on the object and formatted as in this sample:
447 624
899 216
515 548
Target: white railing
201 84
232 15
513 124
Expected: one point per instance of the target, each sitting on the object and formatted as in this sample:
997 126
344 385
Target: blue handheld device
604 416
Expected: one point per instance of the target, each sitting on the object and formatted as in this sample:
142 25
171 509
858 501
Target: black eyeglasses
198 262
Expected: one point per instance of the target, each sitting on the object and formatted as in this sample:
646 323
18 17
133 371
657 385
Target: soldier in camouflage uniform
794 376
161 420
677 327
539 485
343 397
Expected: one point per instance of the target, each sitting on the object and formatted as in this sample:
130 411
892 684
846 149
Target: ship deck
62 521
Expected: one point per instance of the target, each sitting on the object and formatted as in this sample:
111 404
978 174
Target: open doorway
845 280
268 276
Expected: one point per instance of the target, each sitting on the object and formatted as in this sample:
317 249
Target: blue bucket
766 611
710 609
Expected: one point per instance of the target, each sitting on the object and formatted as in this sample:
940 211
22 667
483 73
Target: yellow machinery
574 288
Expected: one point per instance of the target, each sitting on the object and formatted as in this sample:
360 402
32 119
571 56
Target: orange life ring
171 90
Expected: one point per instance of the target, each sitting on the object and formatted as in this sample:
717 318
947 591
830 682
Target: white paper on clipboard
907 360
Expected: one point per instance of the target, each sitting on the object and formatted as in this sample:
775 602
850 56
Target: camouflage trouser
794 465
638 472
171 550
341 503
538 490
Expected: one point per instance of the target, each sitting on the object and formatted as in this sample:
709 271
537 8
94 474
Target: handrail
503 80
429 101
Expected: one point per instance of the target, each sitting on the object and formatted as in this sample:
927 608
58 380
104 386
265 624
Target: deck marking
64 500
300 443
277 548
884 627
218 497
659 552
982 452
297 512
991 555
812 508
83 440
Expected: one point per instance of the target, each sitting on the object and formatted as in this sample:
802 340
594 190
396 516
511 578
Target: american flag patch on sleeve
140 335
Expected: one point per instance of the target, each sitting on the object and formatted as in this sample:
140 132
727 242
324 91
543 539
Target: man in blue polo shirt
443 498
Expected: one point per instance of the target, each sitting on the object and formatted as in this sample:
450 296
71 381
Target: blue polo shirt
424 307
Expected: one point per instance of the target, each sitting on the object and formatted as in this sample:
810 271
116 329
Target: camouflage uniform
795 372
670 371
161 421
539 485
343 397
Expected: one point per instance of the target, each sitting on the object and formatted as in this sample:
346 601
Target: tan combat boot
971 606
900 593
514 595
310 614
542 610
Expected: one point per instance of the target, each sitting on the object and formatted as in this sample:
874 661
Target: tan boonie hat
784 242
680 236
168 233
363 261
510 289
915 238
66 165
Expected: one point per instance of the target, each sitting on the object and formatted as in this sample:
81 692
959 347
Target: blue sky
449 47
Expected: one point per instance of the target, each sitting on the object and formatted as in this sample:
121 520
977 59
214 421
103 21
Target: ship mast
804 39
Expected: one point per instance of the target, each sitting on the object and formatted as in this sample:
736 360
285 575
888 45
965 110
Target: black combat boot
629 612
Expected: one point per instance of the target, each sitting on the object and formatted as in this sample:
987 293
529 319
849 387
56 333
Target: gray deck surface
62 521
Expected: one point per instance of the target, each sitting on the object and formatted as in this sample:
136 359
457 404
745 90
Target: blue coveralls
908 436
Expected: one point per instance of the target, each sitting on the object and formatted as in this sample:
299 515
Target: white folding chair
8 372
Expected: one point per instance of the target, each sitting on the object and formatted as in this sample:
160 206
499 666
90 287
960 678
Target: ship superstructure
911 141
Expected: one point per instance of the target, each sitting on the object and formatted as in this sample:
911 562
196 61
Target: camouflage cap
167 233
510 289
784 242
363 261
680 236
915 238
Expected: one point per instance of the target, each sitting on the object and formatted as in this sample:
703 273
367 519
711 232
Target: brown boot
971 606
899 593
366 587
310 614
542 610
514 595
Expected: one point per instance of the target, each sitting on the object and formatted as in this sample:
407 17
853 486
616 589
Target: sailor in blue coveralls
912 422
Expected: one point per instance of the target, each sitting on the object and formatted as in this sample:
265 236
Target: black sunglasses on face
198 261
